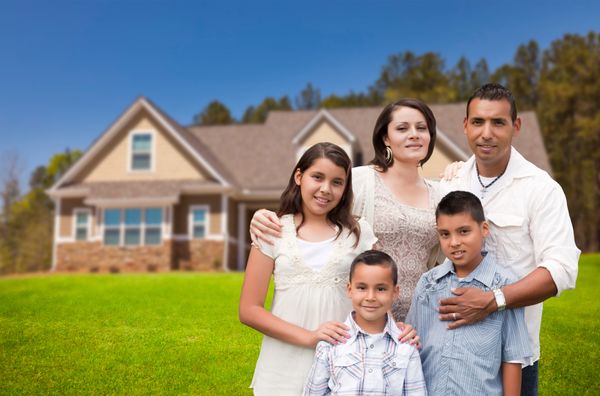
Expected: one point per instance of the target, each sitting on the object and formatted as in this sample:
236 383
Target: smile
322 200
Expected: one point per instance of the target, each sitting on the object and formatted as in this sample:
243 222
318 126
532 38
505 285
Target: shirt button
371 346
394 364
370 370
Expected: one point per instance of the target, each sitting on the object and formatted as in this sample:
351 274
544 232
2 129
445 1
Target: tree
309 98
215 113
408 75
569 99
256 115
351 100
460 79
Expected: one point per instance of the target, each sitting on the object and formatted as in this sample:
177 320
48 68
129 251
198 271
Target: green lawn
178 333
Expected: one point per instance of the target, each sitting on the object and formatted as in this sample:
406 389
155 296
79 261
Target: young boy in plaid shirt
372 361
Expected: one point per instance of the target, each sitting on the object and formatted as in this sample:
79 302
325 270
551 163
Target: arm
253 313
264 223
317 383
472 305
511 379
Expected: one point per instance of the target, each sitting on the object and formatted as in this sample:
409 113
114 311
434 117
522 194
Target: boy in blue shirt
372 361
479 359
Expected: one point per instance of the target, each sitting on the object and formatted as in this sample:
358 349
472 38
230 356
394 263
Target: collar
390 328
484 272
517 167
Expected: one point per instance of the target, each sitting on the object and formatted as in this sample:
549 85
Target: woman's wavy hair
291 198
381 129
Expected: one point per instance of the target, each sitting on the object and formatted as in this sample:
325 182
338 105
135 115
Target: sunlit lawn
178 333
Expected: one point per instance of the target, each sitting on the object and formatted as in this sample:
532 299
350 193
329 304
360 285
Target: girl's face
322 186
408 135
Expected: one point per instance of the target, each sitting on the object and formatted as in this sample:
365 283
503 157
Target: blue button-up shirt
467 360
367 364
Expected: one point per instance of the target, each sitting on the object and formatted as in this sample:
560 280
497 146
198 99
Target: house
152 195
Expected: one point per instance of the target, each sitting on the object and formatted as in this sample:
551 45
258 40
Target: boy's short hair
375 257
494 91
458 202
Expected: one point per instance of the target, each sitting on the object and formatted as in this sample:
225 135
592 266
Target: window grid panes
81 226
199 217
133 226
141 149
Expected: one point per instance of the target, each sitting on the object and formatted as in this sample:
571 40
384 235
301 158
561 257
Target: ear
465 121
485 229
386 140
517 127
396 291
349 289
297 176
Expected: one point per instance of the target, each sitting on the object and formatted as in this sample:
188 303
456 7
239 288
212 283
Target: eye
443 234
360 287
499 123
464 232
381 289
317 177
422 128
338 182
476 121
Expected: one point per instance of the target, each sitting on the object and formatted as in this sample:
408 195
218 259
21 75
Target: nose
370 294
325 187
454 241
486 133
413 134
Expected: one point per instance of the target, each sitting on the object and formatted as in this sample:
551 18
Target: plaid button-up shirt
366 364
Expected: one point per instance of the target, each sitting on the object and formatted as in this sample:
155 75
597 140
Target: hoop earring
388 155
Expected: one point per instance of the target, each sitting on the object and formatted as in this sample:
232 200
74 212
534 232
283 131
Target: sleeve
265 248
414 381
317 382
515 338
367 236
552 234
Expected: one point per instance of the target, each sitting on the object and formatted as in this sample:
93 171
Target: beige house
151 195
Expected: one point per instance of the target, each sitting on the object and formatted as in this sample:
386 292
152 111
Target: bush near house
178 333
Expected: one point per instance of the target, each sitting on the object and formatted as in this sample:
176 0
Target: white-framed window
133 226
81 224
141 148
198 221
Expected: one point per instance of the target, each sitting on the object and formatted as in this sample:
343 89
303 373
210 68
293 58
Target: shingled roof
258 158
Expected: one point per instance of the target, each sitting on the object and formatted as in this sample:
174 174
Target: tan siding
436 164
67 207
181 212
324 132
169 160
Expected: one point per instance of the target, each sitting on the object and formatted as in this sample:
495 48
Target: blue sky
69 68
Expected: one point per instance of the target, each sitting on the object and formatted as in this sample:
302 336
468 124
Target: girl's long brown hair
291 198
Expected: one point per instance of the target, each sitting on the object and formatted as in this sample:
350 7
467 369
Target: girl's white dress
306 298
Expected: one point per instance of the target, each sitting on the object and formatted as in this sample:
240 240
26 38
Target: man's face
490 130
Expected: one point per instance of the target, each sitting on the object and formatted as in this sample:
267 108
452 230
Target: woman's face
408 135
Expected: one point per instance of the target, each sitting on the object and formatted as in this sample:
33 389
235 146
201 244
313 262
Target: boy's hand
409 334
469 306
264 223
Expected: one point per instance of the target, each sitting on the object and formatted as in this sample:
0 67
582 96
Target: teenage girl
310 265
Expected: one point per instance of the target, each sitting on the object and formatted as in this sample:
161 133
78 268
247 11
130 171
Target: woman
391 195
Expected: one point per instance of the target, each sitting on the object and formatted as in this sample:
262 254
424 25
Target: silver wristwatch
500 300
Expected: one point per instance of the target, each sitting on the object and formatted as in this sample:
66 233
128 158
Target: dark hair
375 257
291 198
458 202
381 129
494 91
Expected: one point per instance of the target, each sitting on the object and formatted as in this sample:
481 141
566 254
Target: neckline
391 193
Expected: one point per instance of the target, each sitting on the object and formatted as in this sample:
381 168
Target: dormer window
141 151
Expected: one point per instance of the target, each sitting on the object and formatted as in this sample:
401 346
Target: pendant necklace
484 187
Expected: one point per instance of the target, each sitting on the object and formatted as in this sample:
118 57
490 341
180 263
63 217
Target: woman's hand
332 332
451 170
264 223
409 334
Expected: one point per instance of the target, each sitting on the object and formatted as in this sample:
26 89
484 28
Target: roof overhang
320 116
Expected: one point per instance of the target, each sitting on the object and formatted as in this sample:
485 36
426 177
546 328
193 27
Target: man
530 228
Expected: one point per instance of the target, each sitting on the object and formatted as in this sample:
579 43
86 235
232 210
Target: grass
178 333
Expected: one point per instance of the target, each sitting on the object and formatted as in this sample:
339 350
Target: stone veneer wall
95 257
198 255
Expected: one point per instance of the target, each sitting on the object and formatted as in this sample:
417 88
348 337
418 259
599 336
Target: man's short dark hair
494 91
458 202
375 257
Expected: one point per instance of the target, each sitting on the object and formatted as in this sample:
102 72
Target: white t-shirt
316 254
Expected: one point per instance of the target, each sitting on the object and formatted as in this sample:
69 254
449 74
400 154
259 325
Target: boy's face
372 292
461 239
